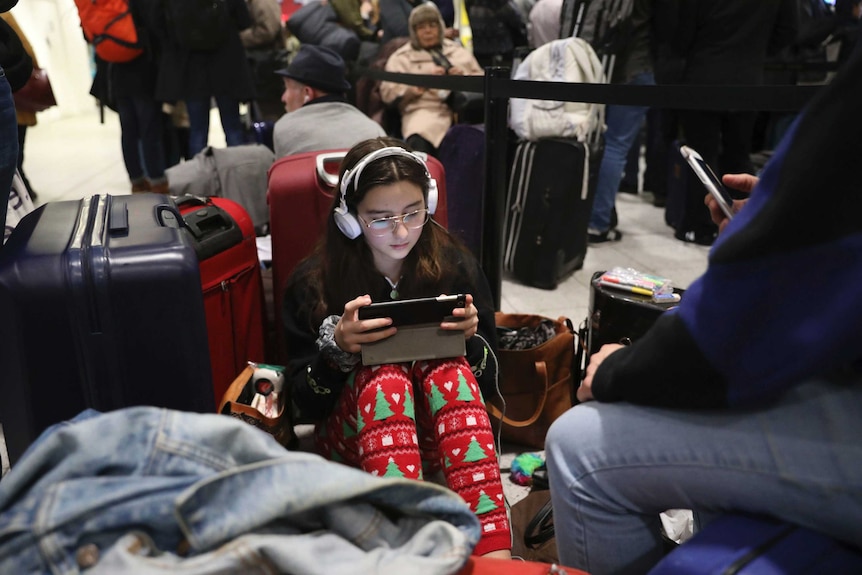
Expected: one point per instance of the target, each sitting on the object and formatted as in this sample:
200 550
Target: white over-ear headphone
347 222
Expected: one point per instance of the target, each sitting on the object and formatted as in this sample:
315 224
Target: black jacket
727 42
184 74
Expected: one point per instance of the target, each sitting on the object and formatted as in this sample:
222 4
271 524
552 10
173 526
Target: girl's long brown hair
343 269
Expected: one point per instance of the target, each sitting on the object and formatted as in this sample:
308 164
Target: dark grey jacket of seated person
316 384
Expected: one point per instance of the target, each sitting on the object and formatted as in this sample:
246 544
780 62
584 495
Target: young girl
382 244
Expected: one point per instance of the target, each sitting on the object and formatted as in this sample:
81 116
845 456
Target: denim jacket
146 490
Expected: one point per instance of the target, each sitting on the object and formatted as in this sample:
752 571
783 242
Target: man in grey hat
318 117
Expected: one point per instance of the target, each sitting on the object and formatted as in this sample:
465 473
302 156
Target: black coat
184 74
727 42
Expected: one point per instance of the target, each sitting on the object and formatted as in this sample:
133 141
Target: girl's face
390 249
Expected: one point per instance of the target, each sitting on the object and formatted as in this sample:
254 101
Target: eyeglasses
382 226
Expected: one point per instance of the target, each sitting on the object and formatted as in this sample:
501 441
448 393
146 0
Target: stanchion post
494 205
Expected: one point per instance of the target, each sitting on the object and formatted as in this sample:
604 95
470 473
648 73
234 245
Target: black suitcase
101 307
550 197
616 316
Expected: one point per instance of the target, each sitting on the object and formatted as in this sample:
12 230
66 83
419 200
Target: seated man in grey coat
318 117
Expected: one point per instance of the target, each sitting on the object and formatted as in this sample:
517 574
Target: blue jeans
199 122
137 484
623 125
613 467
8 143
141 137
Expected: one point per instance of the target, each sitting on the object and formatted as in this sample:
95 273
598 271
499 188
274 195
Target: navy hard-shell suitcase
101 307
462 153
739 544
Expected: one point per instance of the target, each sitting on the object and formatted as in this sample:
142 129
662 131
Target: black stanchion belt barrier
680 97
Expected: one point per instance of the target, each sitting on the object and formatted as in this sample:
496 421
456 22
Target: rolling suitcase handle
212 229
167 216
325 176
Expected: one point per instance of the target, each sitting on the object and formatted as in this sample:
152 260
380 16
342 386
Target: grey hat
319 67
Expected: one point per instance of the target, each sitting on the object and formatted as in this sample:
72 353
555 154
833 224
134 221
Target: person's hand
740 182
438 71
585 391
415 92
456 71
466 319
351 332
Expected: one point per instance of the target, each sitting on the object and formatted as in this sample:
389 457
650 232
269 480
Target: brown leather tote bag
537 383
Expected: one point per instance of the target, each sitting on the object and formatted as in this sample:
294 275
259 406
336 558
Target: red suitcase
489 566
224 239
299 193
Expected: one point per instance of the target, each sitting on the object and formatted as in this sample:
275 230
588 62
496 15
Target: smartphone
709 180
417 311
419 335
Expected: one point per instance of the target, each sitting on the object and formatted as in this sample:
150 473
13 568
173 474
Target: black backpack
198 25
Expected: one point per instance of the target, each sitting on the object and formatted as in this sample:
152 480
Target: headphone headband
347 222
354 173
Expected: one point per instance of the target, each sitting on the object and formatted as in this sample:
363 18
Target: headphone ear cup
347 223
432 196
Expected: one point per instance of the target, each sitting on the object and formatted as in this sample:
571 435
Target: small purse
537 382
36 95
238 399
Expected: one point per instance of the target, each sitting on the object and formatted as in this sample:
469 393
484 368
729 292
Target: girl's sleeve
315 377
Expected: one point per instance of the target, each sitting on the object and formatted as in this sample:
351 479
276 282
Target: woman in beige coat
425 115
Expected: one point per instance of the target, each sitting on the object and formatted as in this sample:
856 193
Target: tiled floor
75 157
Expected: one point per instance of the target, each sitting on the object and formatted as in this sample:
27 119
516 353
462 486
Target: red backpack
109 27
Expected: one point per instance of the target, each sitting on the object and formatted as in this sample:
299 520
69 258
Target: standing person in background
498 28
25 119
132 87
425 115
634 67
265 49
202 58
725 43
15 69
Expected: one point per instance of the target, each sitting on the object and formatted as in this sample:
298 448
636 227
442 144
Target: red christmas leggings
390 419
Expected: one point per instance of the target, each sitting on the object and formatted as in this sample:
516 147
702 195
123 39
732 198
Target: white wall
54 31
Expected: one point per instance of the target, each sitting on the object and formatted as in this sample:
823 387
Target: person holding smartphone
381 243
747 397
740 182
